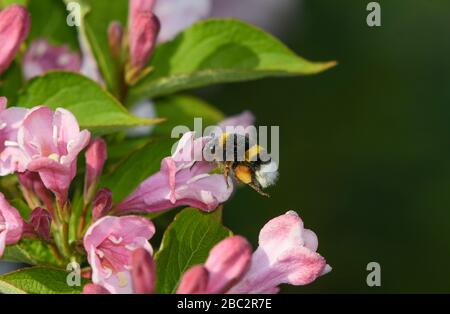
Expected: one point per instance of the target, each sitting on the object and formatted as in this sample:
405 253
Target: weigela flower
184 180
11 224
110 243
42 57
102 204
286 255
49 143
10 122
14 28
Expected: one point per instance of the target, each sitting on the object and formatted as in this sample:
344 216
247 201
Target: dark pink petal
115 37
41 221
102 204
96 155
143 272
92 288
14 28
194 281
227 263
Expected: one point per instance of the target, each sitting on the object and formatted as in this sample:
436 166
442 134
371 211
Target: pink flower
143 30
11 224
110 243
14 28
96 155
182 181
10 155
50 143
42 57
286 255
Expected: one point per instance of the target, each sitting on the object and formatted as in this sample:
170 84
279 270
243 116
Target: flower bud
92 288
34 188
96 155
143 272
115 37
41 221
14 28
194 281
143 33
102 204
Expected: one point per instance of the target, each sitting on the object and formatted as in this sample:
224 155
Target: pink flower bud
14 28
41 221
115 37
143 32
195 281
92 288
143 272
33 185
102 204
96 155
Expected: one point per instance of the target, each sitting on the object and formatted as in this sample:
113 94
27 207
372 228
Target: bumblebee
237 156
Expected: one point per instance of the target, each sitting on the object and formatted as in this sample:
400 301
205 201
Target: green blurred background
365 158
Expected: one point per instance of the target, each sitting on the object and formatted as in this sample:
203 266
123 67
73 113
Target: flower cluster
40 149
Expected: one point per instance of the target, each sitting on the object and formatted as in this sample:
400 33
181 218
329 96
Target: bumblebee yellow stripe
253 152
223 139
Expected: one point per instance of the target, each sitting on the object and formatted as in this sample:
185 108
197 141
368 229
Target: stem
82 221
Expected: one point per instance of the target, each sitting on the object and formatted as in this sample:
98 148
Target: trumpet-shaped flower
286 255
50 143
183 180
110 244
11 224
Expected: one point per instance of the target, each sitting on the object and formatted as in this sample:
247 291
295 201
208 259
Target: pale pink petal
284 256
42 57
110 243
11 224
177 15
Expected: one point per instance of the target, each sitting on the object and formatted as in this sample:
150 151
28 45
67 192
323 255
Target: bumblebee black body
247 162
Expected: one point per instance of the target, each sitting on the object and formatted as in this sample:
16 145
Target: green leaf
22 207
10 83
94 108
135 168
98 15
186 242
6 3
218 51
32 252
182 110
49 21
38 280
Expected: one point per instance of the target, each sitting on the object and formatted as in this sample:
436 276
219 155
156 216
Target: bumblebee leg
226 173
258 189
